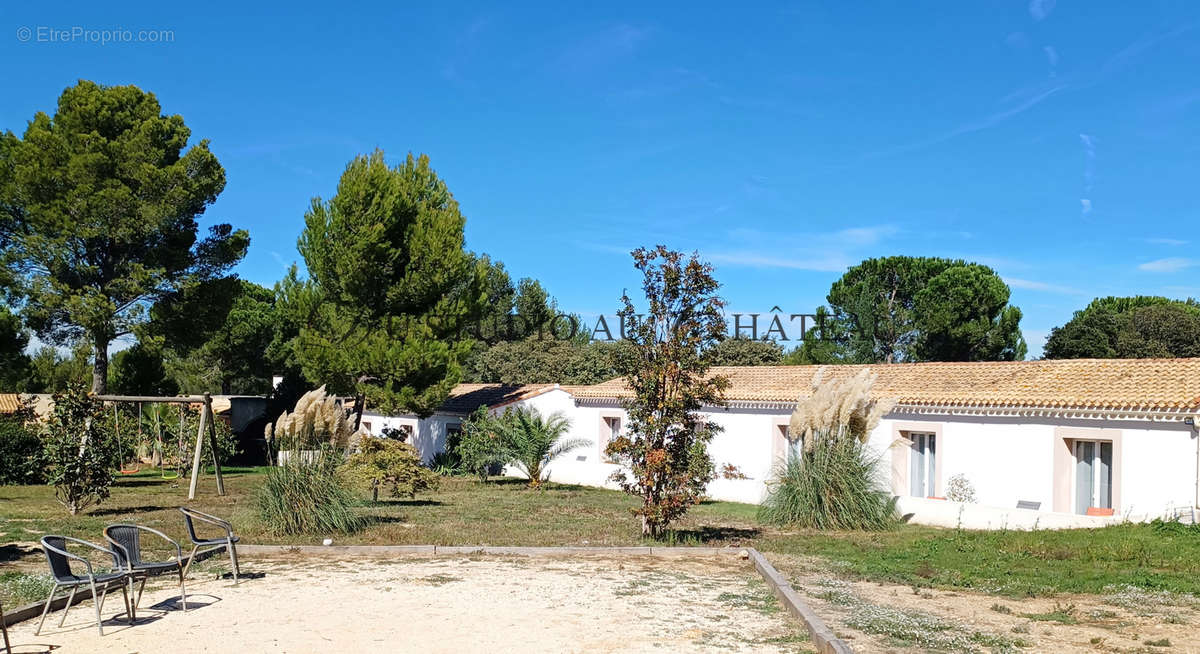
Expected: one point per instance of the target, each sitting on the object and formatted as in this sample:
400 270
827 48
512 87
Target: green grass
503 512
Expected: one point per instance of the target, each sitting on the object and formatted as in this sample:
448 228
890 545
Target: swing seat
170 474
130 471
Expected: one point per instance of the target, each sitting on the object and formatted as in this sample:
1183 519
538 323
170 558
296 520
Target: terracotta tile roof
465 398
9 402
1145 384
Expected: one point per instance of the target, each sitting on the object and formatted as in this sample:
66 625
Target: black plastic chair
125 540
60 560
228 541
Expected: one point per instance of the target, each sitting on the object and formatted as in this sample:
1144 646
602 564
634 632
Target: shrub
479 449
530 441
306 498
833 483
960 489
391 463
446 464
306 495
79 450
20 449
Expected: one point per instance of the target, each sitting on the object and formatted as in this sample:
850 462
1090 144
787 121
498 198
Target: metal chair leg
234 561
141 587
46 610
191 558
66 608
98 601
182 590
130 609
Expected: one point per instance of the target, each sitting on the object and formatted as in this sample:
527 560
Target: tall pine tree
391 293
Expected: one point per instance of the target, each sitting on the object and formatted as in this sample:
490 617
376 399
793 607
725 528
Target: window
366 426
794 449
922 465
612 431
1093 475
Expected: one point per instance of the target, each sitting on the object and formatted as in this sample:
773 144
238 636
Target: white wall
429 434
1006 459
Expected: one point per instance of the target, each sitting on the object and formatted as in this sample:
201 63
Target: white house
1064 438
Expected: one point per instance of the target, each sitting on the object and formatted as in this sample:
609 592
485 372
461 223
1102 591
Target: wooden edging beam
822 636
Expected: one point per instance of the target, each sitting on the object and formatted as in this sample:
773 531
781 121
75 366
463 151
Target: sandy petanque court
470 603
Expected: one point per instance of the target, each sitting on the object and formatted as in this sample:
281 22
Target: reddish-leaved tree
666 445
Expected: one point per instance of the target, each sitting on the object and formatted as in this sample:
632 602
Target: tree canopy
391 292
100 204
14 363
1128 328
745 352
900 308
666 366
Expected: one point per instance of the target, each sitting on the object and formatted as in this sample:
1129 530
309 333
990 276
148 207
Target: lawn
503 512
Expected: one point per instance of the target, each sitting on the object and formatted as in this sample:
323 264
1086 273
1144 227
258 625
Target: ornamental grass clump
305 494
833 481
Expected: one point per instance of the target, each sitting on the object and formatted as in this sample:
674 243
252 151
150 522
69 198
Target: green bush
79 449
20 453
391 463
306 498
832 485
479 449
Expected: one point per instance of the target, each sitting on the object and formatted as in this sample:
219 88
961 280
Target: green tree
220 337
51 372
139 370
545 361
826 342
14 363
1161 331
666 368
1127 327
392 293
901 308
746 352
103 202
963 314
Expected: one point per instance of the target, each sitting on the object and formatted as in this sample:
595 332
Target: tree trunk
100 369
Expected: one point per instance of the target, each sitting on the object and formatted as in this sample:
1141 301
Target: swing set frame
206 427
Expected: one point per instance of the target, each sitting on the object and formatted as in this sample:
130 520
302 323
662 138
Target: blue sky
1056 143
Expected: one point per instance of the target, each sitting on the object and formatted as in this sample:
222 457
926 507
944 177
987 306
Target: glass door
1093 475
922 472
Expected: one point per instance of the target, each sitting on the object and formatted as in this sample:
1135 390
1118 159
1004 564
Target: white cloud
1086 204
864 235
1168 265
1032 285
1166 241
1039 9
1051 55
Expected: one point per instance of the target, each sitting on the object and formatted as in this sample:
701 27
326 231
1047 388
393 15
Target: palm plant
532 441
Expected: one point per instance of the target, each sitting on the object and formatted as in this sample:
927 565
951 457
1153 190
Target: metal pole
199 447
